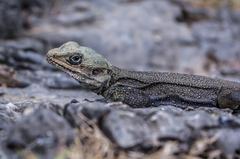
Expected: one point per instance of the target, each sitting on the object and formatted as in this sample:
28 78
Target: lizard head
89 68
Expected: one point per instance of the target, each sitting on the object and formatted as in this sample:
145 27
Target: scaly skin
142 89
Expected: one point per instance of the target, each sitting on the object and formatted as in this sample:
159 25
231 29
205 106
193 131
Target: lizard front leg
128 95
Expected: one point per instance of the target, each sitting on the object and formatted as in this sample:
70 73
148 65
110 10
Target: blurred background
188 36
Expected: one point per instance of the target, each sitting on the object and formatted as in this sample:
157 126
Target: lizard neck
122 76
116 72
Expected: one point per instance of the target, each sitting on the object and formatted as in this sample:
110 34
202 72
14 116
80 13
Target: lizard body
142 89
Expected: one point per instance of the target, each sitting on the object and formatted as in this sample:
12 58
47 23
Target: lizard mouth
81 77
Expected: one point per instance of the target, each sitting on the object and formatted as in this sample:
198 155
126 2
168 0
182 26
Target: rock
144 131
207 34
71 113
170 109
10 18
228 140
8 79
221 50
74 112
27 107
26 44
37 6
164 127
198 10
201 120
61 81
229 121
41 131
126 129
8 115
21 58
78 13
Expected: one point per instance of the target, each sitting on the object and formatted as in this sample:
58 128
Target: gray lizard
142 89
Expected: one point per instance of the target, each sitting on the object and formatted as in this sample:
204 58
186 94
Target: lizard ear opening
97 71
75 59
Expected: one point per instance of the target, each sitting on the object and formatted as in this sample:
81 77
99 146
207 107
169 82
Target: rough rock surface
144 130
40 131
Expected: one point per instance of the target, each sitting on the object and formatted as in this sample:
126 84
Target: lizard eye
75 59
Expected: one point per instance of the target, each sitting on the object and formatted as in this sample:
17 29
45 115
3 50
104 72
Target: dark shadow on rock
41 131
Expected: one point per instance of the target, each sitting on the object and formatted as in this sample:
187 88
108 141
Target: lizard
138 88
